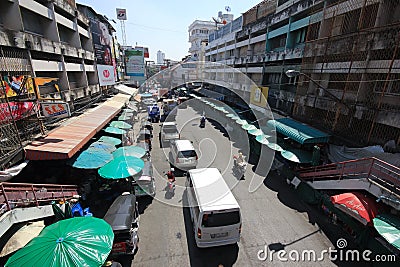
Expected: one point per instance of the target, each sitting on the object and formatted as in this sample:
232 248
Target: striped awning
299 132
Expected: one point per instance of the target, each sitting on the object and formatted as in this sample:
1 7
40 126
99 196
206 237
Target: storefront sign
56 109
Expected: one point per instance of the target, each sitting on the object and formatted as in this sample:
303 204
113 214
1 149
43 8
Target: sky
163 25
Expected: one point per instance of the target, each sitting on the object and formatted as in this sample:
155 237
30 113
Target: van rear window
187 154
220 219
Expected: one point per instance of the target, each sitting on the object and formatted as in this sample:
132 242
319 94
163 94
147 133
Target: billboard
106 75
47 88
134 62
103 50
121 13
16 86
16 110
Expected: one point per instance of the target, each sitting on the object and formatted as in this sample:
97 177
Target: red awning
356 205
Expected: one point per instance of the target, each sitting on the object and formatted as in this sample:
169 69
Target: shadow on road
202 257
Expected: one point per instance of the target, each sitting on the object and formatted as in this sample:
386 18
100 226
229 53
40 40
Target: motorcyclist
240 160
171 175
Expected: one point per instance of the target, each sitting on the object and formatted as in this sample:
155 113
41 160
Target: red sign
119 247
106 73
19 110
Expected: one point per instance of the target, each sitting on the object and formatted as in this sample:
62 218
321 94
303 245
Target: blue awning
299 132
211 94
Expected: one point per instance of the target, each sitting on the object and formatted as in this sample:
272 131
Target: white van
183 154
214 210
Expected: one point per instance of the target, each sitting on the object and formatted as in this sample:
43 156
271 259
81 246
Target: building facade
160 57
50 41
198 36
348 49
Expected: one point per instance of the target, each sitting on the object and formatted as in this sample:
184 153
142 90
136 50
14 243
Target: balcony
66 6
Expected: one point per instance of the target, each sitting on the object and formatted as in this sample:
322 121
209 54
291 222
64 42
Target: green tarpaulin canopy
262 139
120 124
388 226
297 155
92 159
133 151
80 241
121 167
255 132
249 127
114 130
299 132
101 146
111 140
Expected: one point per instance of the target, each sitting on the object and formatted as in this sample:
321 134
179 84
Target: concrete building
160 57
198 35
49 39
345 47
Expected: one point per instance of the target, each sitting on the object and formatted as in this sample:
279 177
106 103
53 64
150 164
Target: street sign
121 14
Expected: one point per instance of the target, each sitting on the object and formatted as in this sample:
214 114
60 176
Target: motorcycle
239 169
203 122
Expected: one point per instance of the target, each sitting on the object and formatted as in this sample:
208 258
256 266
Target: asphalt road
273 217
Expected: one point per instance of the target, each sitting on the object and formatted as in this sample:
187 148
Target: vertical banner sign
103 43
134 62
121 13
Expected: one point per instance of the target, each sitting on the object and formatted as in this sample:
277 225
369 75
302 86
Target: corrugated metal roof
66 140
299 132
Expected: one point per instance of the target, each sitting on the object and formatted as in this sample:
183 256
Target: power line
155 28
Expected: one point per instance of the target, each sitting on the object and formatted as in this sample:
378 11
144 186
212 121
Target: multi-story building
52 39
346 48
160 57
198 36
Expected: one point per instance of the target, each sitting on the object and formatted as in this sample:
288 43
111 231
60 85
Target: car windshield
187 154
220 219
170 129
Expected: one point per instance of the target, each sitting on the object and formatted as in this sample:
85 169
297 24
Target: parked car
143 183
123 216
168 132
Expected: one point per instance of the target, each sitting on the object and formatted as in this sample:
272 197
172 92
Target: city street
273 216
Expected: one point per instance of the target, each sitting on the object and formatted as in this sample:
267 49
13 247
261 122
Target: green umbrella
133 151
120 124
111 140
297 155
80 241
255 132
262 138
241 122
275 147
124 117
113 130
230 115
101 146
388 226
121 167
92 159
249 127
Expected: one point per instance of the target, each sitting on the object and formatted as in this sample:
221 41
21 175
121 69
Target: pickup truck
168 132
